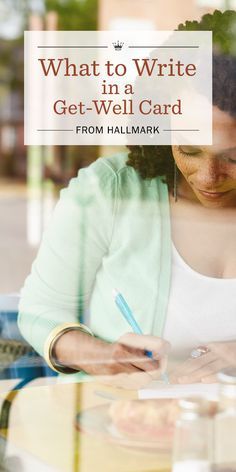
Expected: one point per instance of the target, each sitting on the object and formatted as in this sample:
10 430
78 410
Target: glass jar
193 437
225 423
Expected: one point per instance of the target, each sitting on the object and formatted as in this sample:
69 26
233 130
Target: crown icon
118 45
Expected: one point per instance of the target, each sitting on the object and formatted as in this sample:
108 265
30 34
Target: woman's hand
205 368
123 363
128 364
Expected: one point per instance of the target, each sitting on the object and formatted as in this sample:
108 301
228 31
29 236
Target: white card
157 389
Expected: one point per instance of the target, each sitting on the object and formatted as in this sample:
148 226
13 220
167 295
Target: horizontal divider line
181 129
166 47
71 47
55 130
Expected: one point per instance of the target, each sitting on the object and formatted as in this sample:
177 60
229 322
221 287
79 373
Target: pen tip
115 292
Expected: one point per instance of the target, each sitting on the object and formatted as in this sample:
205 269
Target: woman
172 257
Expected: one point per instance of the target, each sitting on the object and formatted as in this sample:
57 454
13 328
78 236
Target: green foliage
12 63
75 14
72 15
223 27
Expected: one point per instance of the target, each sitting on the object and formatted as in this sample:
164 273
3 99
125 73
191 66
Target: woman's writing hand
129 364
205 368
123 363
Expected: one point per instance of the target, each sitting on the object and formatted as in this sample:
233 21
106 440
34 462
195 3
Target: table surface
42 426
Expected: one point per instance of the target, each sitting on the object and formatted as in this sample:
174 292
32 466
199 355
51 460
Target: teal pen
129 317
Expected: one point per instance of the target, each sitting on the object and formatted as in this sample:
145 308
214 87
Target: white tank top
201 309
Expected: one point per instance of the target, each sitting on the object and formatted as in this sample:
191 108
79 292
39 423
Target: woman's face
210 171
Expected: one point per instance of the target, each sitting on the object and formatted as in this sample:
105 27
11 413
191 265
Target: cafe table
43 435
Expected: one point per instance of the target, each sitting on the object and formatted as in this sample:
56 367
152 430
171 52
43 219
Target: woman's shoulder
113 178
107 173
115 164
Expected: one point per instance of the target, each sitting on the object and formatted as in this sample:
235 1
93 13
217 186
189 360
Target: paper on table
157 389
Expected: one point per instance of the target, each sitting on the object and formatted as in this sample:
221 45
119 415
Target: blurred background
31 177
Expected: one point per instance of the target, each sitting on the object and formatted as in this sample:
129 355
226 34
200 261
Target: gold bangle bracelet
51 340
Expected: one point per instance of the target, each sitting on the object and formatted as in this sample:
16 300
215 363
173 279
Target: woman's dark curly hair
153 161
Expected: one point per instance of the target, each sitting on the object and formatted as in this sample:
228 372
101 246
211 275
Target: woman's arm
62 277
125 362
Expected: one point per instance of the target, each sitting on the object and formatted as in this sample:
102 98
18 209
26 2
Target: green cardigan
110 229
